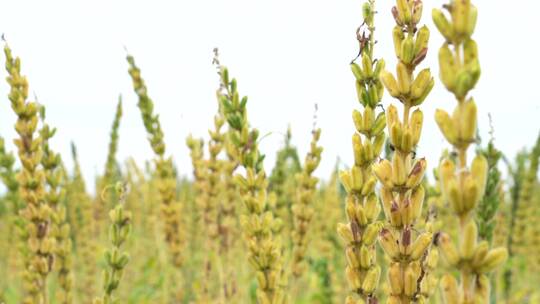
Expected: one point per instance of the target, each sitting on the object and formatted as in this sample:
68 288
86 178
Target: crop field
387 227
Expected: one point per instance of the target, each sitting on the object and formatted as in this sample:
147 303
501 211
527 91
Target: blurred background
286 55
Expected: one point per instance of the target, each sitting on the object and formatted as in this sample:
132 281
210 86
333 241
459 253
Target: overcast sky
287 56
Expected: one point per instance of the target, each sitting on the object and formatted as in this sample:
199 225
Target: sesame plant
463 185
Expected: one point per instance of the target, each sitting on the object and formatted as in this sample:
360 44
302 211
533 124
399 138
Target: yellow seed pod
372 207
378 143
372 279
345 178
352 259
417 8
443 25
350 208
417 201
407 50
367 65
468 243
365 257
479 170
471 23
421 83
356 179
358 121
399 175
387 198
403 79
368 151
395 279
389 83
406 140
369 118
460 16
449 250
432 259
398 36
447 126
450 290
448 68
357 71
396 133
468 126
353 277
422 39
345 232
369 186
420 99
393 300
404 11
482 289
358 150
261 279
360 215
370 236
417 173
416 122
389 243
383 171
410 279
380 124
480 253
471 193
420 246
470 52
493 259
392 115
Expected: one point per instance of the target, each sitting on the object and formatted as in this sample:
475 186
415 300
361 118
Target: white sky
287 55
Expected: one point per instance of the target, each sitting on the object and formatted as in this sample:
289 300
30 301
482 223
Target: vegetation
372 232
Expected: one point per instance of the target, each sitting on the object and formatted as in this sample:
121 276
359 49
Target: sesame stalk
224 194
84 237
259 223
302 208
362 206
11 201
115 257
524 181
463 186
206 207
282 181
109 176
60 229
170 206
405 240
35 211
